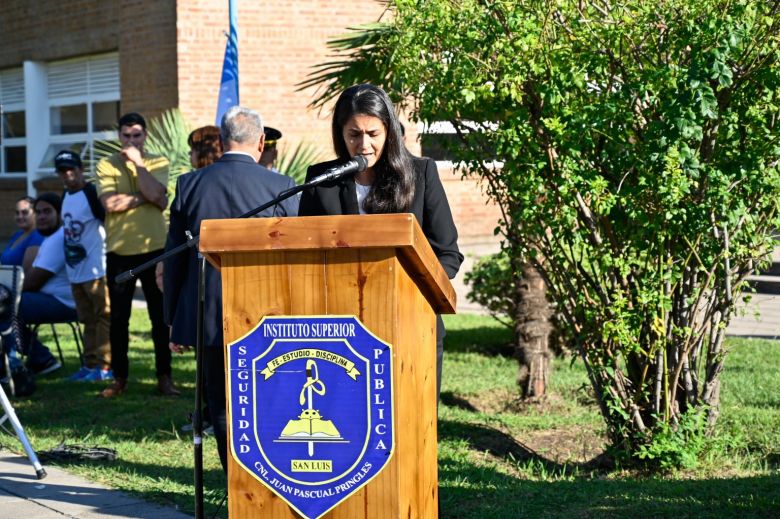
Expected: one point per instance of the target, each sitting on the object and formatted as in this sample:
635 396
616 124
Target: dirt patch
577 445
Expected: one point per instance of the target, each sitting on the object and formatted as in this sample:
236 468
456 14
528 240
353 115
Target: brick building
68 69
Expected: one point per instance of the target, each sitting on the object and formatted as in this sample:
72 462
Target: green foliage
168 137
493 287
676 446
294 162
639 144
366 58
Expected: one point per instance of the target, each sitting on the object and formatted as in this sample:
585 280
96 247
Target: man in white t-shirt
85 258
46 295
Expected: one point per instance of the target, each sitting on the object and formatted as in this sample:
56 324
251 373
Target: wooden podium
379 268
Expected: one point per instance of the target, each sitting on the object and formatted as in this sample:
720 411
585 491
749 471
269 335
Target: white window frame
87 98
11 141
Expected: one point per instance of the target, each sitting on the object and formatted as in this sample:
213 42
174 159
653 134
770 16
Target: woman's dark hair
207 145
393 188
30 200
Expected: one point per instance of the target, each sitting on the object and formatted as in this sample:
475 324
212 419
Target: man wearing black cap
85 258
270 153
132 185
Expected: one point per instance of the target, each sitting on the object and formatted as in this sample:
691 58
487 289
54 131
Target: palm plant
168 137
359 60
294 162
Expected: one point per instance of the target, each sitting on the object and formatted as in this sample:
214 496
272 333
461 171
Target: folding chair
11 277
78 337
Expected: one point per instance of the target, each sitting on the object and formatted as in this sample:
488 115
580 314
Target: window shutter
67 78
12 87
103 74
90 76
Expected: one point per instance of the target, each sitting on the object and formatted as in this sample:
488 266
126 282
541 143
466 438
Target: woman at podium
395 181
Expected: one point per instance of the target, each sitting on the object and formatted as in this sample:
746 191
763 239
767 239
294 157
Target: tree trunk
532 333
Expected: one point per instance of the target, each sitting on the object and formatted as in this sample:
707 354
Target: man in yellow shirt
132 187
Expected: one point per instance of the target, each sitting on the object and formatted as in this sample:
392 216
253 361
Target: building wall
171 53
474 216
147 56
47 30
278 44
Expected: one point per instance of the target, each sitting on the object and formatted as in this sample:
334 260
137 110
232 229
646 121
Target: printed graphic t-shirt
85 254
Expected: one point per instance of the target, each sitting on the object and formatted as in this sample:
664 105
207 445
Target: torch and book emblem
310 426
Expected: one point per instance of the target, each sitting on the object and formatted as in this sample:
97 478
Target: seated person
46 294
26 236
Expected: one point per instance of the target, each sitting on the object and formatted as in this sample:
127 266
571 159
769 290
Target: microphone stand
197 417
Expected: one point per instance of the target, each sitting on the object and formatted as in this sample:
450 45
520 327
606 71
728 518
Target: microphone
356 164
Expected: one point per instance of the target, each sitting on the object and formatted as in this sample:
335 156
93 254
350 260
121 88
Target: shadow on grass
468 490
482 438
491 341
485 439
451 399
543 488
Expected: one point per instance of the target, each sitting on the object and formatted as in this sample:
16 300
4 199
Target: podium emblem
310 402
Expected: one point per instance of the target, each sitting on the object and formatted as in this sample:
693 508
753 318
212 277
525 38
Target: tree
515 294
638 149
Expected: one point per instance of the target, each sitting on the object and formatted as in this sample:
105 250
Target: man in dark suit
231 186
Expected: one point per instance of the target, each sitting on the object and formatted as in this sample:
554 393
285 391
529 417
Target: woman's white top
362 193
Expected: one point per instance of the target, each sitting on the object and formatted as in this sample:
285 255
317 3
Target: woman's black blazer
429 206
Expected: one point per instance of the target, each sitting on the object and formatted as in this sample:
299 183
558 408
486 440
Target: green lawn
498 457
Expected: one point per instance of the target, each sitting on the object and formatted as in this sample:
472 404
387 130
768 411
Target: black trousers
214 382
121 296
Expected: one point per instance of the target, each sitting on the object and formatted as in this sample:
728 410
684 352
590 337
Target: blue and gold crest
310 403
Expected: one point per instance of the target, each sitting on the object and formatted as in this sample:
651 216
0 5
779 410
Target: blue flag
228 87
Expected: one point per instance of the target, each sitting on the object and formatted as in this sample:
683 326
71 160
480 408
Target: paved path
60 495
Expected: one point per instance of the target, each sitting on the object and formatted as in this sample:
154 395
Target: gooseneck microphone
356 164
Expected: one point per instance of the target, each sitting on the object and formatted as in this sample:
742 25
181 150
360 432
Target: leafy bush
638 144
294 162
676 446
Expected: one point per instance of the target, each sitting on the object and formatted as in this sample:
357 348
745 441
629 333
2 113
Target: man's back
230 187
